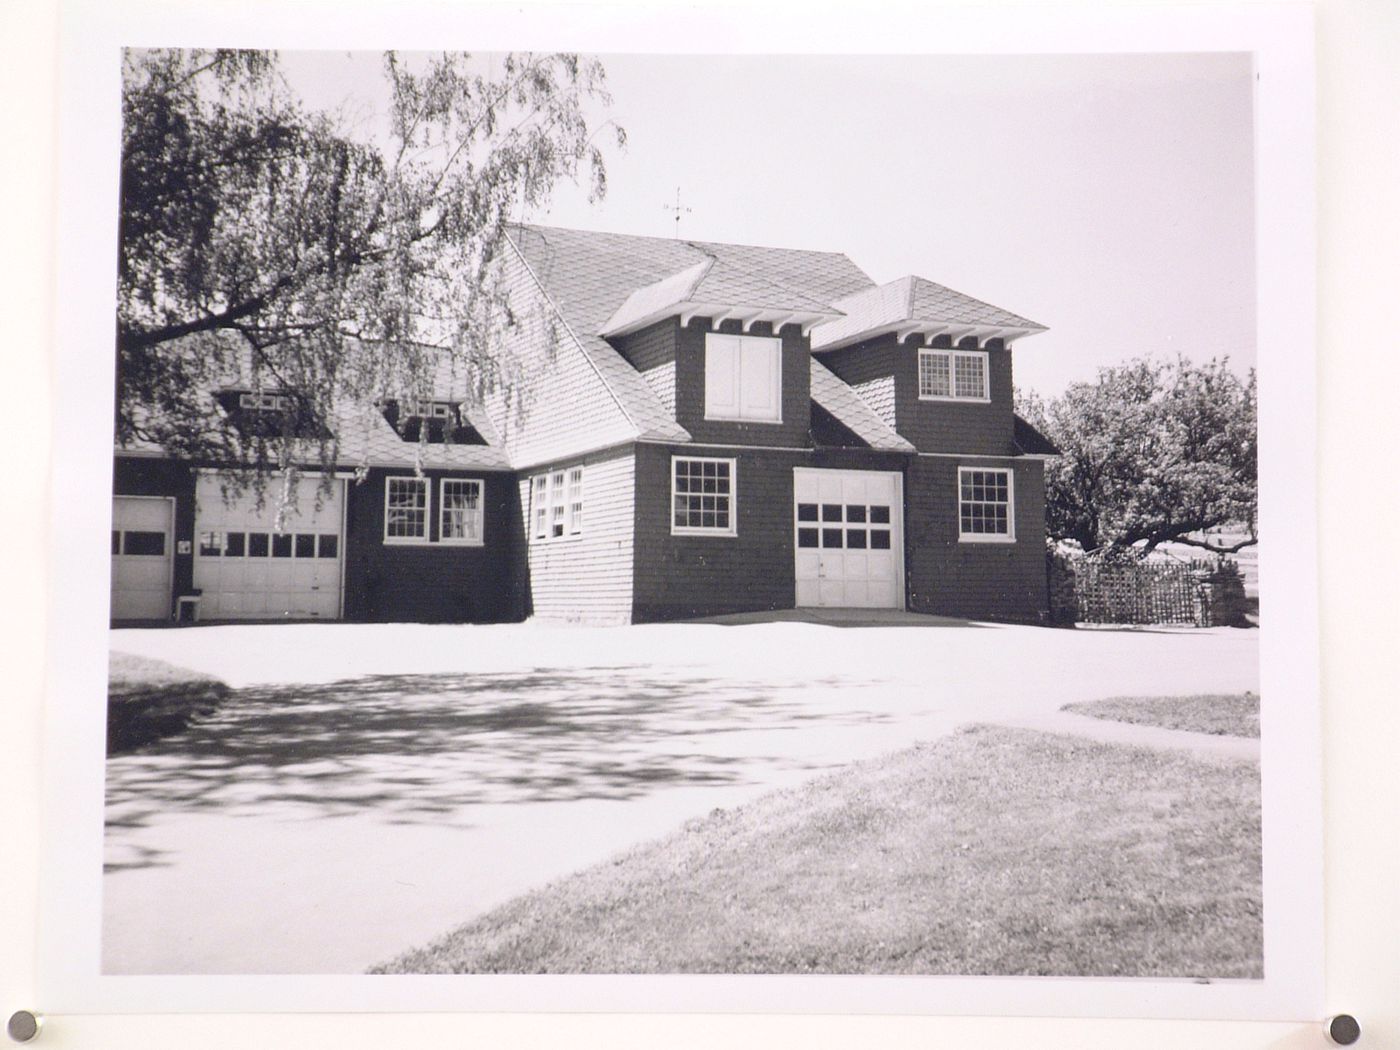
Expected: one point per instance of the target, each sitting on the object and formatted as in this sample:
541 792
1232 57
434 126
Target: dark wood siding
651 347
792 432
676 577
151 476
432 583
980 581
963 428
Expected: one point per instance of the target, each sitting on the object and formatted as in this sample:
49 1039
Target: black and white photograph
521 564
656 514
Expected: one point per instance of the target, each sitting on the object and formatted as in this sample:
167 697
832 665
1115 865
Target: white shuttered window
743 378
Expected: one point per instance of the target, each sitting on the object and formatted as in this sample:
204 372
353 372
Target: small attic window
443 420
260 402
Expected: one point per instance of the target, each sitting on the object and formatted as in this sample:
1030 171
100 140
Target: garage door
142 528
849 538
247 567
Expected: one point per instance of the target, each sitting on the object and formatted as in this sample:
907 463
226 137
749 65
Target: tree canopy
262 240
1150 453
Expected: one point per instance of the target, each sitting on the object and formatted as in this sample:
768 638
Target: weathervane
678 210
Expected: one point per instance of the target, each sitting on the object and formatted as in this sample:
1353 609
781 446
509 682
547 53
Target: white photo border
1280 38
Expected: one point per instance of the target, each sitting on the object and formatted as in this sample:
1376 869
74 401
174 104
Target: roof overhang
718 313
834 338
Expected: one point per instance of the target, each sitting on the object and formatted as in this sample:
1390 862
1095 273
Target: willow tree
267 244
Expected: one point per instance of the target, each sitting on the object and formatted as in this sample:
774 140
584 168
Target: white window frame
952 356
427 487
262 402
424 409
480 515
700 530
553 501
1009 536
739 416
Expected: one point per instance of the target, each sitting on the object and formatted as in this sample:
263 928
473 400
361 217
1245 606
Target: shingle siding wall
981 581
566 407
797 390
588 578
965 428
142 476
685 576
432 583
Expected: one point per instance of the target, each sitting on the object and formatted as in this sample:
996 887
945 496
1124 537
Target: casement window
406 504
702 496
953 375
743 378
986 506
265 402
557 504
460 507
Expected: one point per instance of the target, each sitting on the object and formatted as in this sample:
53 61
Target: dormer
443 420
935 364
725 349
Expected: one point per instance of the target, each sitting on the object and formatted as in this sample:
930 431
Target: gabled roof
715 287
913 304
832 394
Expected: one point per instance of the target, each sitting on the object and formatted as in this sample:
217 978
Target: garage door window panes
848 526
406 510
702 496
147 543
985 500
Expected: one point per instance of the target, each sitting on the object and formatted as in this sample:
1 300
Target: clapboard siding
586 578
981 581
964 428
562 405
432 582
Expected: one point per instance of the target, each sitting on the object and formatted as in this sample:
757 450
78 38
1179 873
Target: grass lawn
148 699
994 851
1218 715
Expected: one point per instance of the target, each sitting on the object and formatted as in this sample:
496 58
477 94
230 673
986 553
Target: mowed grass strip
1219 715
995 851
148 699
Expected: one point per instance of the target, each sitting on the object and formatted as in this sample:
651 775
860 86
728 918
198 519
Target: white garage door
849 538
248 568
142 528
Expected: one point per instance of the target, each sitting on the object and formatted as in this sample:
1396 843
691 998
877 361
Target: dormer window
743 378
443 421
953 375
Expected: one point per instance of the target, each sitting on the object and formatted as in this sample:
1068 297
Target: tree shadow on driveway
421 748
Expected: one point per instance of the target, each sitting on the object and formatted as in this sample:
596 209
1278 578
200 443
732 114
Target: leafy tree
268 244
1151 452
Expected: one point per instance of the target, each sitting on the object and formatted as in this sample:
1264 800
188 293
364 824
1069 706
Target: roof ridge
688 241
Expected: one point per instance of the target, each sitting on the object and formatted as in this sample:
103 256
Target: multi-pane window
575 496
406 509
260 402
221 544
461 511
985 505
953 375
557 508
743 377
702 496
849 526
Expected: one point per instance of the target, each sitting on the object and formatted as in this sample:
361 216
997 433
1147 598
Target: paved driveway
370 787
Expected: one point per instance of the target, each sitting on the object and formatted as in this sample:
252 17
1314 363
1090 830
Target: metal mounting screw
1343 1030
24 1025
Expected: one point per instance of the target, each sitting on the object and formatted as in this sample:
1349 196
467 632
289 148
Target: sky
1108 197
